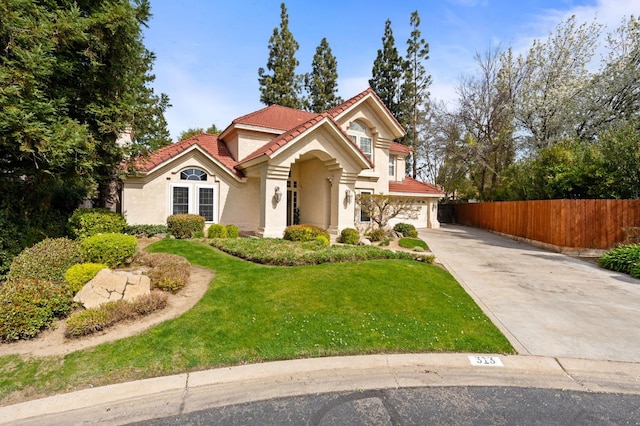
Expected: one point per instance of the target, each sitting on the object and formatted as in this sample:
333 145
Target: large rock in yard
110 285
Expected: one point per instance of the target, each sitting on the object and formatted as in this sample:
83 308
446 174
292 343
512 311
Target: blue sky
208 51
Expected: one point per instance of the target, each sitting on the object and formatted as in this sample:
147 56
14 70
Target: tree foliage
192 131
74 76
382 208
279 83
322 83
415 90
388 72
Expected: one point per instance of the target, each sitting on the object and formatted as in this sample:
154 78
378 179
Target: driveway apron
545 303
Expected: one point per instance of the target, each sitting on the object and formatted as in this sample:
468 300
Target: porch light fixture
348 196
278 194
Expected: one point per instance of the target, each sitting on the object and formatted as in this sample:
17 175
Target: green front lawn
254 313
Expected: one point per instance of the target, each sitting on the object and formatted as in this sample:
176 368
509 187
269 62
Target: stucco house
278 165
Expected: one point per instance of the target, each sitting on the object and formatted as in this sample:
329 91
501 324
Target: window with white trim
361 136
392 165
191 197
364 217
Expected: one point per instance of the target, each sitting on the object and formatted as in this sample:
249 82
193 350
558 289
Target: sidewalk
184 393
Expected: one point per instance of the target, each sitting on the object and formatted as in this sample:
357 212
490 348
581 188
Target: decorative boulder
110 285
365 242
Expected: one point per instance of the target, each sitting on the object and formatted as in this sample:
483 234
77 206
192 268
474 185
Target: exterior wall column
346 206
432 214
273 212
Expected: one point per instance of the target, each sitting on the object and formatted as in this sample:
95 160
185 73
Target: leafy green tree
212 130
280 84
621 161
74 76
415 90
388 73
322 82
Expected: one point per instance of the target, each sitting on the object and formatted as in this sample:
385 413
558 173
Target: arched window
361 137
193 197
193 174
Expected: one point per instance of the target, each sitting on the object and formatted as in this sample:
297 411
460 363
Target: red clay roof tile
275 117
410 185
398 147
208 143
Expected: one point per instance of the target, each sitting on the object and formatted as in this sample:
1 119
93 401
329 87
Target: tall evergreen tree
388 72
73 77
415 89
322 82
282 86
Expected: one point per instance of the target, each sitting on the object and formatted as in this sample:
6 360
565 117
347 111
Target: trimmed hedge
377 234
145 230
91 320
232 231
304 233
80 274
168 272
47 260
217 231
405 229
350 236
85 222
185 225
109 249
29 305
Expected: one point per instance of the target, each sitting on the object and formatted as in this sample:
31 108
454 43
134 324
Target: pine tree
415 89
282 87
322 82
388 71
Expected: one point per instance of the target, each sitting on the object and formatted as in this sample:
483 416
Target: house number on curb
487 361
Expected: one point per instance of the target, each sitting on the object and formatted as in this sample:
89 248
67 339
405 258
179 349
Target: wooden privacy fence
595 224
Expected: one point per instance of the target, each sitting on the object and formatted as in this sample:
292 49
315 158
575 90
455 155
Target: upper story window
392 165
193 174
360 135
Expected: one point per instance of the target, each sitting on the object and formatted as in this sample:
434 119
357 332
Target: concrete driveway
546 303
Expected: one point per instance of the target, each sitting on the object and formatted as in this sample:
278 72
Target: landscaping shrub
95 319
322 240
85 222
217 231
168 272
184 225
109 249
30 305
232 231
145 230
377 234
350 236
412 234
304 233
80 274
47 260
404 228
621 259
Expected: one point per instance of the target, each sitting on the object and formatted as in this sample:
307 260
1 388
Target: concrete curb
183 393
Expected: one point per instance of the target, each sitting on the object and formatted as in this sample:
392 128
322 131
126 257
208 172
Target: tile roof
208 143
337 110
398 147
410 185
275 117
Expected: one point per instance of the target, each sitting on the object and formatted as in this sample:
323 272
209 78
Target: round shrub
86 222
232 231
377 234
304 233
109 249
86 322
322 239
350 236
184 225
168 272
412 233
47 260
404 229
217 231
80 274
30 305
